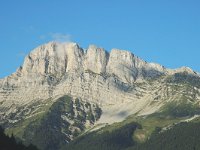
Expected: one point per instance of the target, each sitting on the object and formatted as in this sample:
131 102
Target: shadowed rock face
56 69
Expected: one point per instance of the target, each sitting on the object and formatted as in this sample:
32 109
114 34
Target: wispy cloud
21 54
42 37
60 37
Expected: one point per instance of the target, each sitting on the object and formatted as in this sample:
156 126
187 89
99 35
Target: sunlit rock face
118 79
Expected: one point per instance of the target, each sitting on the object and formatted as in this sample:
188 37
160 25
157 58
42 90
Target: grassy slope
18 128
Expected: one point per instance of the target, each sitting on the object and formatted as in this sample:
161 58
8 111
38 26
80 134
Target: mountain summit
83 88
55 69
60 58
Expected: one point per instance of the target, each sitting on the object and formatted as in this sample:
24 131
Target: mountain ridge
111 86
90 52
65 68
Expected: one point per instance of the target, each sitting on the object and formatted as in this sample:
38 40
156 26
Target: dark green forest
183 136
117 139
10 143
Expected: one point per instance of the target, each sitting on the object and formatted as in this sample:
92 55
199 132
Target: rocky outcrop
124 65
96 59
59 58
53 58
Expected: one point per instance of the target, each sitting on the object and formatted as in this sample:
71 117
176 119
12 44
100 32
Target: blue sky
162 31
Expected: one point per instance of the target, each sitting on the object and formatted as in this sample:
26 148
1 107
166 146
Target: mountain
63 92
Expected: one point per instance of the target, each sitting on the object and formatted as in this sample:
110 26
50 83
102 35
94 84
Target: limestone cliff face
60 58
56 69
123 65
96 59
53 58
57 59
130 68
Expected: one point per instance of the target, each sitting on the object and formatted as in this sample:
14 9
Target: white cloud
21 54
42 37
60 37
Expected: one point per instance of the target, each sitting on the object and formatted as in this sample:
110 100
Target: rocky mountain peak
53 58
182 70
120 83
186 69
103 87
96 59
58 59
